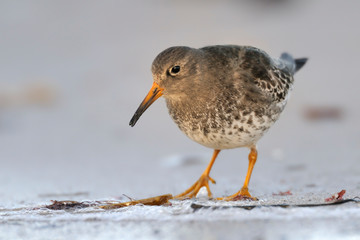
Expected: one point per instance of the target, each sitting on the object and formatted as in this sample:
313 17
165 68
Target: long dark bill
154 93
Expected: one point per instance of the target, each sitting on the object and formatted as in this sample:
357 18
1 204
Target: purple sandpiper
223 97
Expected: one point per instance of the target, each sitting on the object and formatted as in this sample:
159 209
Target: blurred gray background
72 73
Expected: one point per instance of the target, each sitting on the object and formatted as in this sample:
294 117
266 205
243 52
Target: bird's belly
228 134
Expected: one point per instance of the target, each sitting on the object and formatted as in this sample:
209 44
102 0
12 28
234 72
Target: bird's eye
174 70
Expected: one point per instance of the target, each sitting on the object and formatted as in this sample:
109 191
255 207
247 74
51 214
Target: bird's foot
243 194
195 188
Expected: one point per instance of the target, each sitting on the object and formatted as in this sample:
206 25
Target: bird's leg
202 182
244 191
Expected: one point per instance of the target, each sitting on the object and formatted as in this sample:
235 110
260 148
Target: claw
212 180
243 194
202 182
195 188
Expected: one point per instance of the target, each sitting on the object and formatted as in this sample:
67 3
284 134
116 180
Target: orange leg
244 192
202 182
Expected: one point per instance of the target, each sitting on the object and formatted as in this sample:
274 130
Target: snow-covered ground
72 75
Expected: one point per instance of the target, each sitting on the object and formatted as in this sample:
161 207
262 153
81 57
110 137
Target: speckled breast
223 127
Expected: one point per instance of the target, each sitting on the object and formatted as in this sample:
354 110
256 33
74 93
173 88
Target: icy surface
181 220
72 75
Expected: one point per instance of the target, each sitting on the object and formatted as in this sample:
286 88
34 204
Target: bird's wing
272 76
277 83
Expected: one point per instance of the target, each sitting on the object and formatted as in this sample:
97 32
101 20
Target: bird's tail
299 63
292 64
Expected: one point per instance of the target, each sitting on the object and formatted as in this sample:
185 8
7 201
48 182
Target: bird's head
174 72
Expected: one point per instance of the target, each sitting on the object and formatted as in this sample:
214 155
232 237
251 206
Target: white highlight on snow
202 194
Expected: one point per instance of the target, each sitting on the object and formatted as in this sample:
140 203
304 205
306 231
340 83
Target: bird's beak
155 92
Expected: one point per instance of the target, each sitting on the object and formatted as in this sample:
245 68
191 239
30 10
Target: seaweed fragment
153 201
336 197
66 205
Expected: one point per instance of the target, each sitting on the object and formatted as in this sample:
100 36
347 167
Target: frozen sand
96 58
182 221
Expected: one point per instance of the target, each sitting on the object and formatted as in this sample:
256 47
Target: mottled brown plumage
222 96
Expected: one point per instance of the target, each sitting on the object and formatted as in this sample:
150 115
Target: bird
222 97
